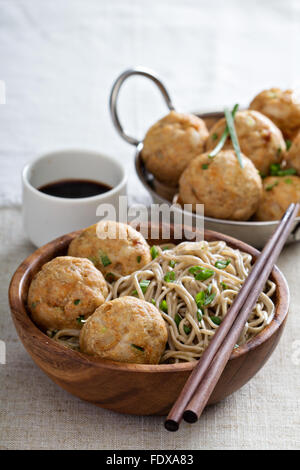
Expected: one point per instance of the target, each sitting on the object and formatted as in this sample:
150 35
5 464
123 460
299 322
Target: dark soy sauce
75 188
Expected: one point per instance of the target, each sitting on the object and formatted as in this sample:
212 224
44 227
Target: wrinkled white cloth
58 61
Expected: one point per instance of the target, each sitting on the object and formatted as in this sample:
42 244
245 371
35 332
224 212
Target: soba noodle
193 286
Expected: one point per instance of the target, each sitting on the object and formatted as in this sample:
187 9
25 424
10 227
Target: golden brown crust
226 190
64 289
293 155
259 138
279 192
171 143
282 107
124 255
125 329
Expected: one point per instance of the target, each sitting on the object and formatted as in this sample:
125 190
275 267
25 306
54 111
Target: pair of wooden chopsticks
202 381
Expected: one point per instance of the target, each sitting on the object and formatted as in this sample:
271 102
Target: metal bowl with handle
252 232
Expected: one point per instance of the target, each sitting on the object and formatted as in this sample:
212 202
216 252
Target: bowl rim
20 314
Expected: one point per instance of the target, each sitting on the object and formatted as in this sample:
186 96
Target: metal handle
115 93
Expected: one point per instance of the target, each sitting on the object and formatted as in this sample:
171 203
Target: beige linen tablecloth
36 414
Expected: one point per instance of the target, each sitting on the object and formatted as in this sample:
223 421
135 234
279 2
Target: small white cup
46 217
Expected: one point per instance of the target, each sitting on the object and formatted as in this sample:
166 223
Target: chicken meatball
64 290
171 143
293 155
279 192
125 329
259 138
226 190
113 247
282 107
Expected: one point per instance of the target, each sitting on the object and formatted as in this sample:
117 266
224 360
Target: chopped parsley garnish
201 274
104 258
169 276
288 144
143 285
222 263
154 252
164 306
216 320
271 186
139 259
80 319
139 348
76 301
204 166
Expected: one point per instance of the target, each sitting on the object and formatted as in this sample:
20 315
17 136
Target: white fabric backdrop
58 59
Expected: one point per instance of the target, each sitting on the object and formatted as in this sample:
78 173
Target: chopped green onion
143 285
204 166
200 298
199 314
275 170
279 150
76 302
209 299
153 302
80 319
288 181
186 329
172 263
224 136
271 186
139 348
232 132
154 252
214 136
110 277
169 276
164 306
164 248
104 258
222 264
93 259
224 286
177 319
201 274
138 258
236 346
288 144
262 175
216 320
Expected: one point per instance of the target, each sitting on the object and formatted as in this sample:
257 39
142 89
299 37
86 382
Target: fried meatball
121 249
226 190
292 157
125 329
279 192
171 143
63 290
259 138
282 107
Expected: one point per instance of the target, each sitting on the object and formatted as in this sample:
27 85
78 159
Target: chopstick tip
190 416
171 425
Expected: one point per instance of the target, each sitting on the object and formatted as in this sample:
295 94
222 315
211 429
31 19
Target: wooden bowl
134 388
